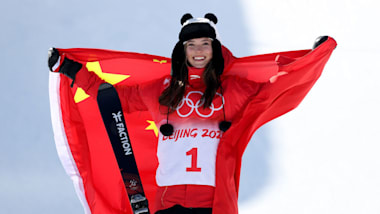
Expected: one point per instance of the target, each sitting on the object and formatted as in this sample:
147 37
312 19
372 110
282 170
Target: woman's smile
199 51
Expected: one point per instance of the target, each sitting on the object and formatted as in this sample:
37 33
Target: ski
114 122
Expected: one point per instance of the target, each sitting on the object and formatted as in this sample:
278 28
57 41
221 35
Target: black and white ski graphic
114 122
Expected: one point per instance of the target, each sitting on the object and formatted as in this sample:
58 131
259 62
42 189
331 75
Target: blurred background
320 158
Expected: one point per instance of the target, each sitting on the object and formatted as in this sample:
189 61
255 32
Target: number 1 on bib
194 159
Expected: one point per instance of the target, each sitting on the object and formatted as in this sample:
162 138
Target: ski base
114 122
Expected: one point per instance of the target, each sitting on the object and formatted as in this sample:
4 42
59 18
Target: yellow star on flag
152 126
80 95
160 61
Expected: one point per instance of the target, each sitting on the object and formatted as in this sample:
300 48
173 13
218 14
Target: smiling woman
198 51
198 47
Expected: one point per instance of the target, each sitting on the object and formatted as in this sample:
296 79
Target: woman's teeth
199 58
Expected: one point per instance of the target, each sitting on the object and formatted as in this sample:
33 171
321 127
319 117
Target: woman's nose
198 48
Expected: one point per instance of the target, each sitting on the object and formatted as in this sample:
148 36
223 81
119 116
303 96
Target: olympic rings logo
189 105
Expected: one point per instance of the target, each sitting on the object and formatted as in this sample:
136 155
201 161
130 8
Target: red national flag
86 153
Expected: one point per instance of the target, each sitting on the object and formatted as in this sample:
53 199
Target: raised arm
90 82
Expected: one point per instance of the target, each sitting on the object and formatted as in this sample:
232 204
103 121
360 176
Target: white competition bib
189 155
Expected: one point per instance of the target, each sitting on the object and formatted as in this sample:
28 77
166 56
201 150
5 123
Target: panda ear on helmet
211 17
186 17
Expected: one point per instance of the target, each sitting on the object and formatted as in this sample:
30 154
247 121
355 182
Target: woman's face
199 51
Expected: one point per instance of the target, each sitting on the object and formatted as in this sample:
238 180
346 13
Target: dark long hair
173 94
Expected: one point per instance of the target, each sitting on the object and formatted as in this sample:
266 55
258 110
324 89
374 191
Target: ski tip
104 86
